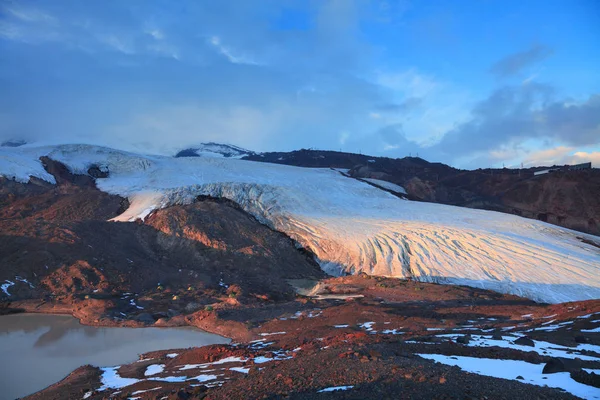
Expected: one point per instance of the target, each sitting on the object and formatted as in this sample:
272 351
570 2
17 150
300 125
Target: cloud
230 54
388 140
515 63
406 105
157 76
574 123
562 155
514 114
410 83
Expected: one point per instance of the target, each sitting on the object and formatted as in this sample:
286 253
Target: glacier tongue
350 225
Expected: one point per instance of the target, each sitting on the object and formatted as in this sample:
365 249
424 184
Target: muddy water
38 350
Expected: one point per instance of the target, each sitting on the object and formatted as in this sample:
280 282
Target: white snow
541 347
367 326
554 327
219 150
154 369
586 316
20 279
6 285
594 330
240 369
334 388
228 359
387 185
132 302
392 331
341 326
591 371
349 225
510 369
172 355
111 379
206 365
147 390
170 379
204 378
273 333
262 359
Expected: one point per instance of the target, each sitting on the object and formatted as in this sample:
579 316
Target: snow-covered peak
215 150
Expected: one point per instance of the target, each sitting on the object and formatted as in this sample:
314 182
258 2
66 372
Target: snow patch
154 369
335 388
6 285
541 347
510 369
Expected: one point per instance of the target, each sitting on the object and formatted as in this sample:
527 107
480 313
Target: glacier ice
349 225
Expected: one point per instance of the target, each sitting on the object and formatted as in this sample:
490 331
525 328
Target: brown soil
314 354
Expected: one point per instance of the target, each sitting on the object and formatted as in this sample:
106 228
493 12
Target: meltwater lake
37 350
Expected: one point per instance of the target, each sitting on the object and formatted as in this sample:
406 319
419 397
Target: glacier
349 225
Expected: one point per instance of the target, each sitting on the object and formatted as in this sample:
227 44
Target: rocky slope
381 338
60 254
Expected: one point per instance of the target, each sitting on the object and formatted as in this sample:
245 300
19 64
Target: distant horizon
21 143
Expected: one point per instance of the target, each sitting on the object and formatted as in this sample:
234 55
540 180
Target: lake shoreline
45 348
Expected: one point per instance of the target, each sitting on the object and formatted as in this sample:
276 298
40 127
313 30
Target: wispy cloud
31 15
562 155
517 62
233 56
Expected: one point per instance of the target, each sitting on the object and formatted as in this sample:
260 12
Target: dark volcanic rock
553 366
581 339
587 378
465 339
96 172
146 318
524 341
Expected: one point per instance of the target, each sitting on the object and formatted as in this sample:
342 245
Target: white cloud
118 43
409 83
438 105
156 34
31 15
229 53
561 155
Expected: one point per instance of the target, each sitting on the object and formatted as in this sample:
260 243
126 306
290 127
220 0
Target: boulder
581 339
464 339
524 341
553 366
146 318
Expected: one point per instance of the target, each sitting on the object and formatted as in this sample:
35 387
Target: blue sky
474 84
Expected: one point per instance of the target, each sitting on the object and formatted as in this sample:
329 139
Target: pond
37 350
